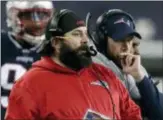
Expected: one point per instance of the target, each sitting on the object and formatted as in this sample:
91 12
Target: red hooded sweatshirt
49 91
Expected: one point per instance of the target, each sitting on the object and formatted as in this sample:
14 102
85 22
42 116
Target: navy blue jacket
151 99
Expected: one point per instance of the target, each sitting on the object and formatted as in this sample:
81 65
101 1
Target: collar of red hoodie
47 63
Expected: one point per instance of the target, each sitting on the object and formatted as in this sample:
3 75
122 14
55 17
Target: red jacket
50 91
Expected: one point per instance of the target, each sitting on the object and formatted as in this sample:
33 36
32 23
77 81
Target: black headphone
53 28
101 27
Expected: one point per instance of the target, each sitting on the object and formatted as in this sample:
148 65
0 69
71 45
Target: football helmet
28 19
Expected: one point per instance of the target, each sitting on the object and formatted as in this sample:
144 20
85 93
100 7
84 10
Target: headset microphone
92 51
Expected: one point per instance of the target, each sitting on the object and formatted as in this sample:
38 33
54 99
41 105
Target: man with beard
117 41
65 84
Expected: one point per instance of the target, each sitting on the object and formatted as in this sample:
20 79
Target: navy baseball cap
120 26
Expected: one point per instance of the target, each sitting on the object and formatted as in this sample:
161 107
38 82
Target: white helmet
14 8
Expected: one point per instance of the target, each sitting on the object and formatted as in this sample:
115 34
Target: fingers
127 59
131 65
130 60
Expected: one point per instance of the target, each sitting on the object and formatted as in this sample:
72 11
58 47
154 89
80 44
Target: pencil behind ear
63 38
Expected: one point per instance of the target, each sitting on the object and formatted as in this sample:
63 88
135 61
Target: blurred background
149 22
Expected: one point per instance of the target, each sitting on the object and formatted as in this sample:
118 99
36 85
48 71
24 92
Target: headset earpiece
53 28
99 27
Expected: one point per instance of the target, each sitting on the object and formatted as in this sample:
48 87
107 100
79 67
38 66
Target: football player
27 21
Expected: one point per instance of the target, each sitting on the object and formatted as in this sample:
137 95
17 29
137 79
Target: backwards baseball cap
119 26
62 22
70 21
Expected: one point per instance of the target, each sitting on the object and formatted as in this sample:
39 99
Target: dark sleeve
151 99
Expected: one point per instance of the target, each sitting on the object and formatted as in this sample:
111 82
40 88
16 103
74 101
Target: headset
53 28
101 27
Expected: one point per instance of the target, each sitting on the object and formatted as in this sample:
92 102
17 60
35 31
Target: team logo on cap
80 22
122 21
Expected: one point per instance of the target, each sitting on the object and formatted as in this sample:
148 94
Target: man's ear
55 42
